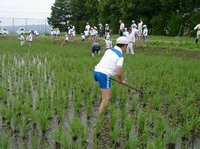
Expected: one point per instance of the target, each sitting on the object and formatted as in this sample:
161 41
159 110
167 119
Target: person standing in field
140 23
131 38
144 35
137 35
110 65
30 39
108 42
86 33
133 24
121 28
94 34
101 30
22 40
107 29
87 26
125 33
197 27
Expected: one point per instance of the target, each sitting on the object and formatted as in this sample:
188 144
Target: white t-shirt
122 26
86 32
130 37
197 27
87 27
30 37
145 32
108 43
109 62
140 26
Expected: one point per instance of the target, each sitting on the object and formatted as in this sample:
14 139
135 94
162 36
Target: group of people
55 33
137 34
29 39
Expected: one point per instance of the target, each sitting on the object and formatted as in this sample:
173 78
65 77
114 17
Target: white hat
144 26
122 40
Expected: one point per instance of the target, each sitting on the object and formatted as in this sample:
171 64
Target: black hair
120 45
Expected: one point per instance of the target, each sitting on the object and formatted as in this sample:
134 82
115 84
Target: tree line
171 17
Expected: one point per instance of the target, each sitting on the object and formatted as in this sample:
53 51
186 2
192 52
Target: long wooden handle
128 86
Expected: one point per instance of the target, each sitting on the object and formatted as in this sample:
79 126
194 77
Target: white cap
144 25
122 40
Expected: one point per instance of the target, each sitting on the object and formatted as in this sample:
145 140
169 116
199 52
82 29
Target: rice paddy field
49 99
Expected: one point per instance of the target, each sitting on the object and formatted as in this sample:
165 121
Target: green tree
157 14
60 15
91 12
78 12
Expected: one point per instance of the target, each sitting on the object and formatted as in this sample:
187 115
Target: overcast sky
37 9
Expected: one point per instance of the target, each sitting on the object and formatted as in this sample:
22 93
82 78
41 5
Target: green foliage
60 14
157 14
157 24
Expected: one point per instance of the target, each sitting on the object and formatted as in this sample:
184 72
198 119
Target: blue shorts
103 79
144 37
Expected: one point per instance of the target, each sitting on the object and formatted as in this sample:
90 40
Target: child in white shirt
22 40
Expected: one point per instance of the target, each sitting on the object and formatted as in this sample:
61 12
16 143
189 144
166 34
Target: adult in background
101 30
95 48
110 65
197 27
140 24
121 28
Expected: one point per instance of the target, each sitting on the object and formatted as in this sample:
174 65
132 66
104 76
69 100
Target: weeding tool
140 91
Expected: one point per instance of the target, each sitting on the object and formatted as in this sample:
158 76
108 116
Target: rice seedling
114 134
128 124
99 125
43 117
4 140
131 143
34 142
61 138
78 130
113 116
